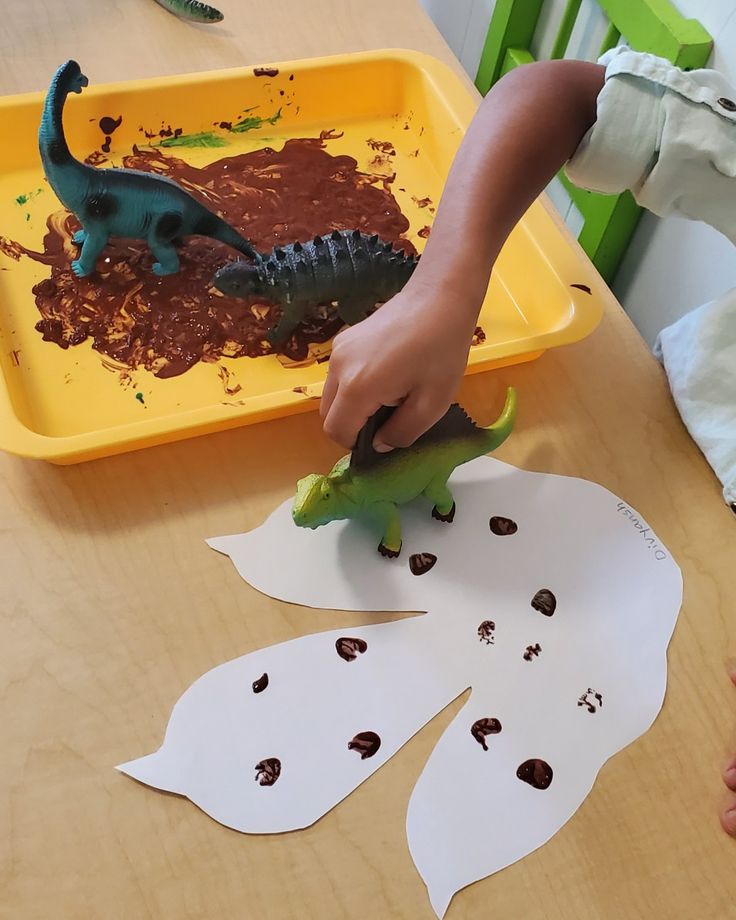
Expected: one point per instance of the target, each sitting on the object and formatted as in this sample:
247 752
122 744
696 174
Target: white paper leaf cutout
319 694
557 613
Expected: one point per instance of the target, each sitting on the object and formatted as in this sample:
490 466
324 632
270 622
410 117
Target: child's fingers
729 775
413 417
728 819
731 668
345 417
329 392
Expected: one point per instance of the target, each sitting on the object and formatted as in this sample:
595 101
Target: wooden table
112 605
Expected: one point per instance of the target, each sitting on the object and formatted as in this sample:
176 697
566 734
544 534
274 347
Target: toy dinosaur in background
120 202
348 267
367 484
192 10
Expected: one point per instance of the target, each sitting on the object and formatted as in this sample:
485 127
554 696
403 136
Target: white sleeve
667 135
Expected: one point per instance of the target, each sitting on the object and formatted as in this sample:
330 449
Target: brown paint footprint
365 743
268 771
483 727
536 773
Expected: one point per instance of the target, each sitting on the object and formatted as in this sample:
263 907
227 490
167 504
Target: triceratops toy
372 485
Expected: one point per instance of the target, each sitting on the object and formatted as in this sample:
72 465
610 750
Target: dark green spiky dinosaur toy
352 269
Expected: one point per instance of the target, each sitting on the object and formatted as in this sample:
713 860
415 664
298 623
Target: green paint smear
254 121
24 199
139 397
203 139
212 139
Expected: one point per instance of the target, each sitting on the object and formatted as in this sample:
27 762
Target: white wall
464 24
671 265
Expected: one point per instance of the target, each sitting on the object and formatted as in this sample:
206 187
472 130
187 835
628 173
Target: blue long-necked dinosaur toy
121 202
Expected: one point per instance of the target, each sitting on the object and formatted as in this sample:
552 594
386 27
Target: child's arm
413 350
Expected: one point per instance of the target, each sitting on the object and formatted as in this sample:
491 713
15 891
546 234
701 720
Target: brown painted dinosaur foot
389 553
447 518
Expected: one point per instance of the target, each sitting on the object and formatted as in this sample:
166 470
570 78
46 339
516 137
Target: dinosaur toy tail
504 424
217 229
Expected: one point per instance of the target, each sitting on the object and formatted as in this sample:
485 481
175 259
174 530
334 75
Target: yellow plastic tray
66 406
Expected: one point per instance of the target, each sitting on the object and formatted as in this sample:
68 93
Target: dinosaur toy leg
79 237
92 245
160 241
167 260
387 515
354 309
444 504
292 314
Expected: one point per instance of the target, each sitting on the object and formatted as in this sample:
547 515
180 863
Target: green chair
654 26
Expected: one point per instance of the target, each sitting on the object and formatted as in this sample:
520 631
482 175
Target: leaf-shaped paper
548 596
321 693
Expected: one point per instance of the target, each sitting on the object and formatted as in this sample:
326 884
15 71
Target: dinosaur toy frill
121 202
371 485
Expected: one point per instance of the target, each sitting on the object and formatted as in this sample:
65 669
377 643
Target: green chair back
654 26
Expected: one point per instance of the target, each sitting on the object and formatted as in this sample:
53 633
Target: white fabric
669 136
699 355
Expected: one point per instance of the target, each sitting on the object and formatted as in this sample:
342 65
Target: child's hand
410 353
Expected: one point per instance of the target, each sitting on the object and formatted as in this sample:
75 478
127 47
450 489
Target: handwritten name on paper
644 531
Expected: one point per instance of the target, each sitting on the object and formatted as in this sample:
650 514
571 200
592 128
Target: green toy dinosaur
120 202
192 10
371 485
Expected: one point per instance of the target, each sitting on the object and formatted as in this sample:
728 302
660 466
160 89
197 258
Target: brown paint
266 71
385 147
545 602
582 287
260 685
485 632
166 325
421 563
483 727
164 132
268 771
536 773
349 649
225 377
588 703
96 158
109 125
503 526
365 743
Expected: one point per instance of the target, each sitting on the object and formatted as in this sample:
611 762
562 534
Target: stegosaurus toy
372 485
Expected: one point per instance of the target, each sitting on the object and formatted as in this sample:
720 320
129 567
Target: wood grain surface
112 605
